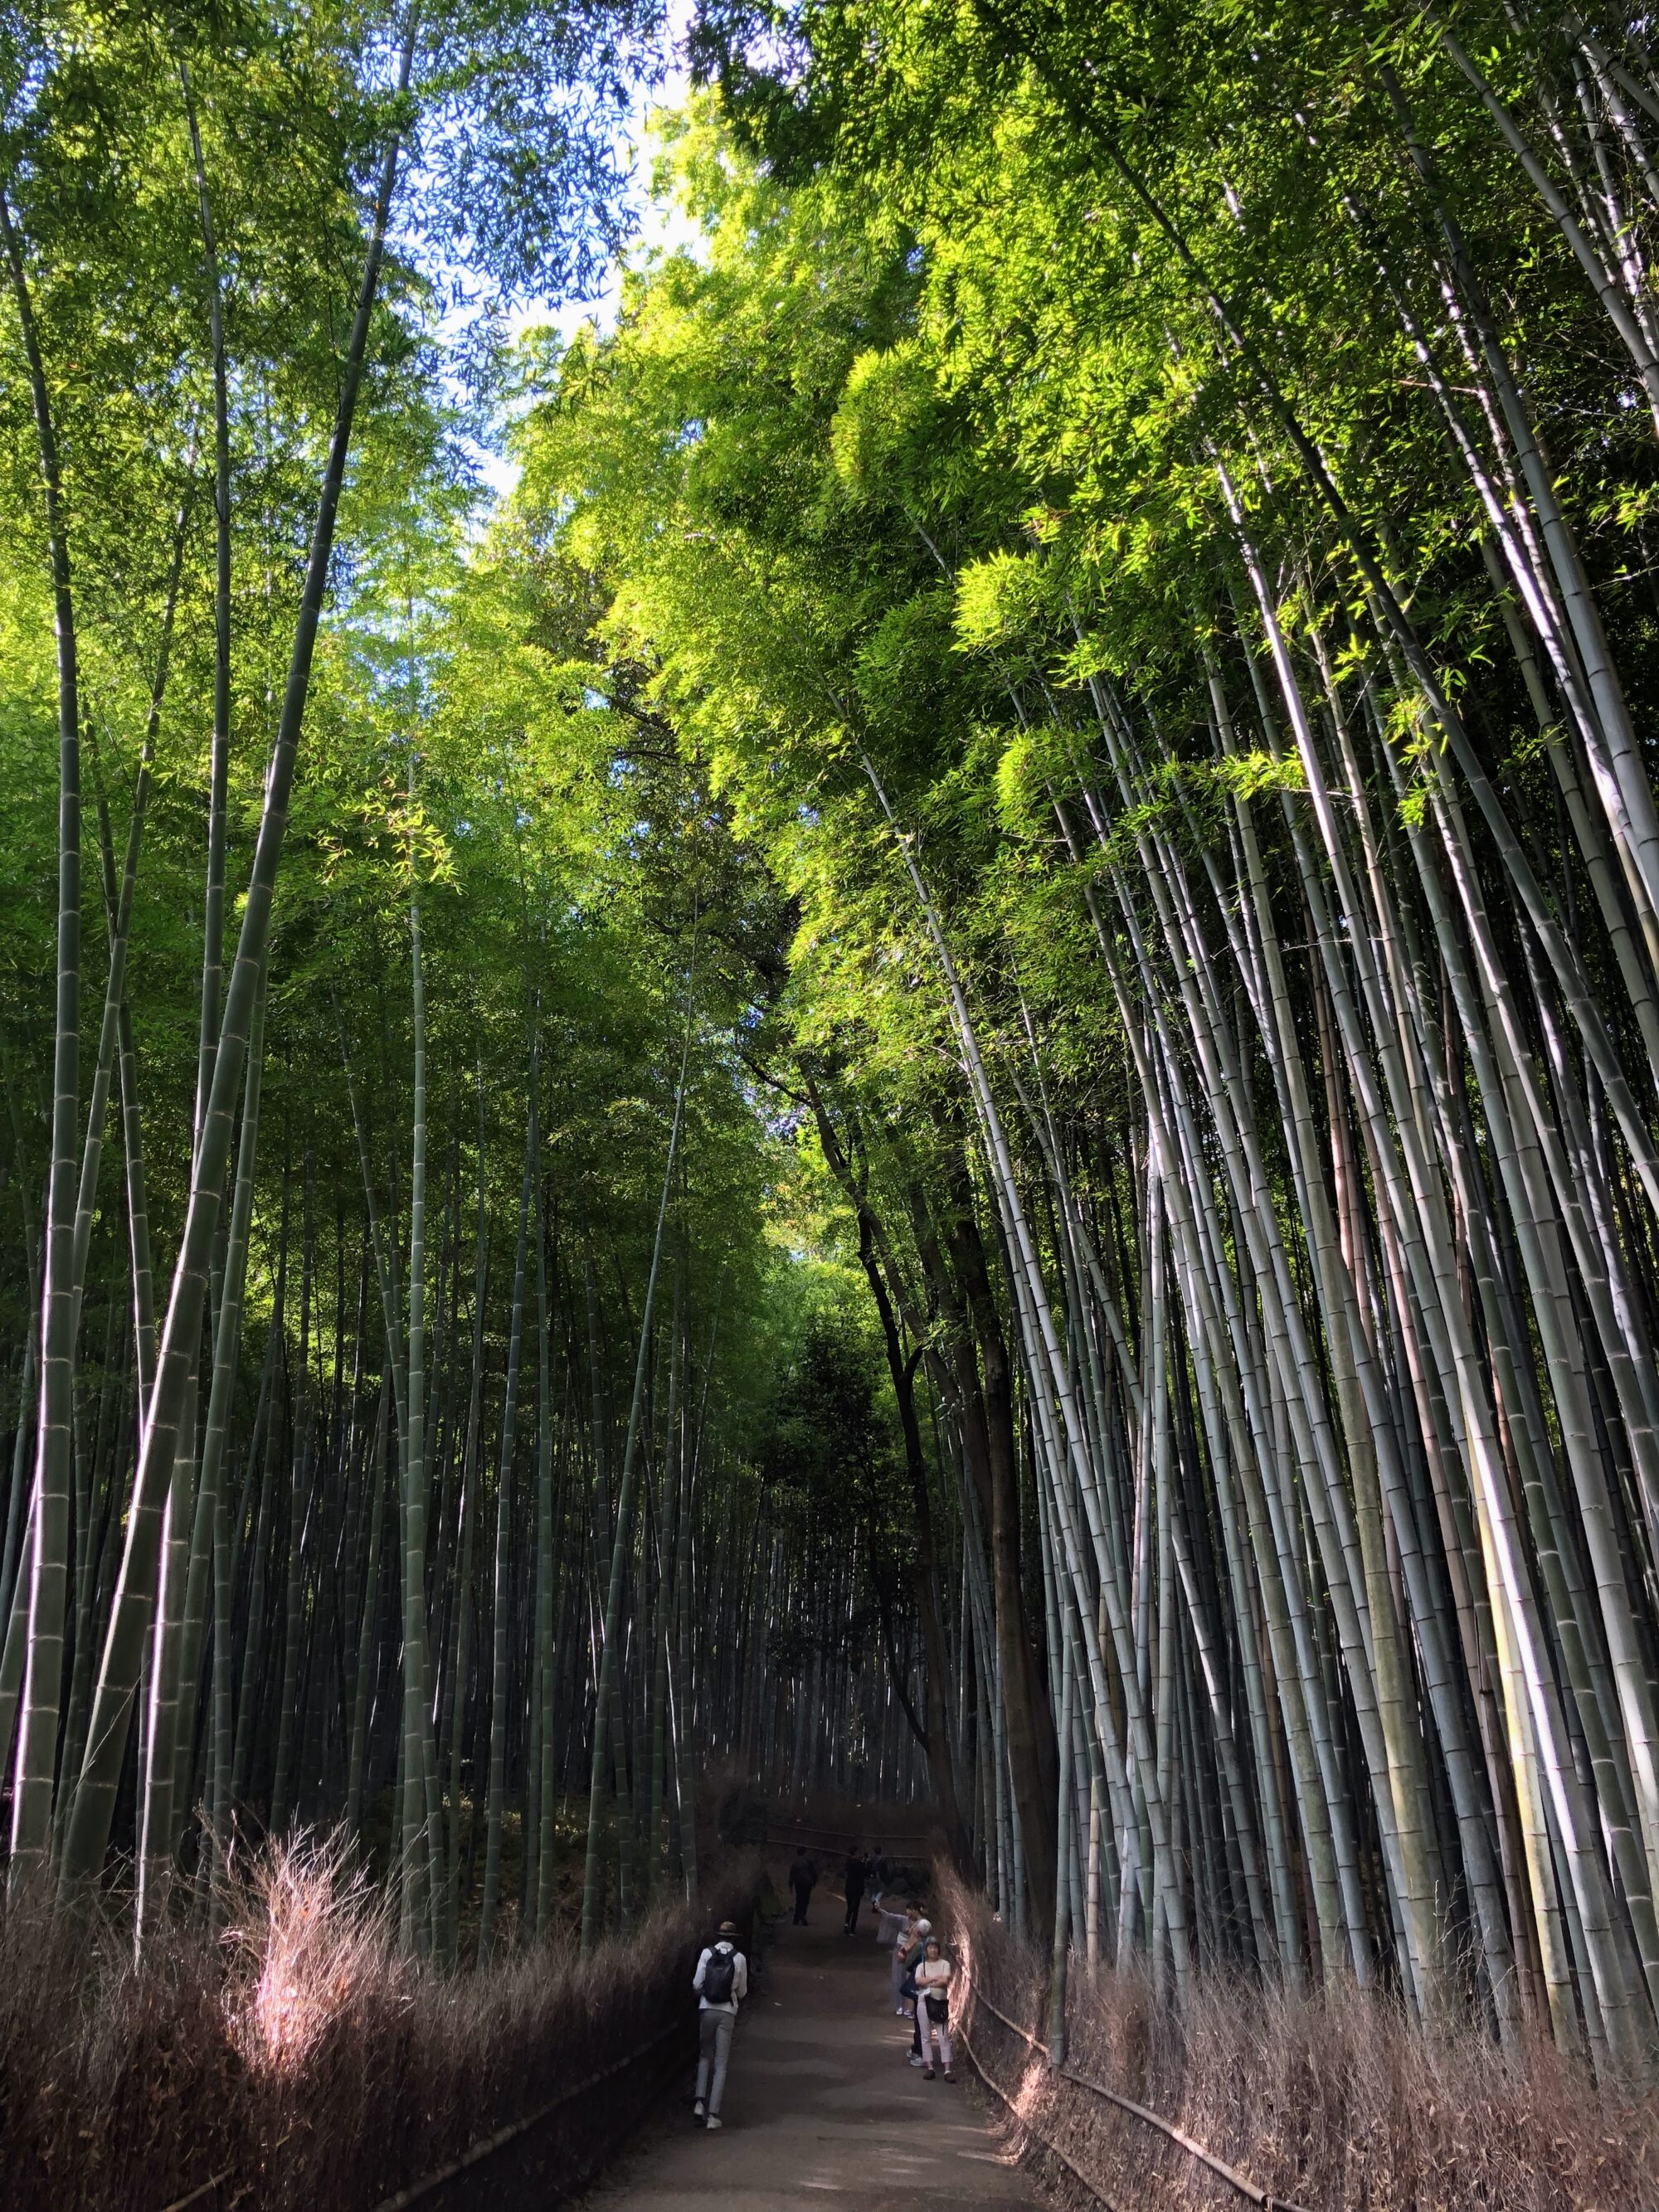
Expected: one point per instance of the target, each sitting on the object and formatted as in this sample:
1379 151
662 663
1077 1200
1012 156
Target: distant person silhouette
854 1874
803 1879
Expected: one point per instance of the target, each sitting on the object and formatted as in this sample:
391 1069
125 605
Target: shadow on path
820 2105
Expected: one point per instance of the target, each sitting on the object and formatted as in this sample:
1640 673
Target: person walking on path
893 1927
803 1877
854 1874
933 2009
721 1982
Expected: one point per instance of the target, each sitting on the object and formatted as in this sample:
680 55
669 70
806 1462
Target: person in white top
721 1982
914 1948
932 1978
892 1930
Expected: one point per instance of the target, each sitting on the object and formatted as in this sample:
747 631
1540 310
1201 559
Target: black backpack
718 1976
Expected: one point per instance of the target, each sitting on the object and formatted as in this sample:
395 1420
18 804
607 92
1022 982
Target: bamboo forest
829 976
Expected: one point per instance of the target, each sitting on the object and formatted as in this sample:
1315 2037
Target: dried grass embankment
302 2063
1331 2103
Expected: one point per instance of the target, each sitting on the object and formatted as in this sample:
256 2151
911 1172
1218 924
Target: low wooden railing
1263 2199
679 2030
442 2177
780 1828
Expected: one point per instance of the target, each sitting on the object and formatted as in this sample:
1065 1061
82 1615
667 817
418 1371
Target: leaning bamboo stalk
496 1800
43 1670
609 1655
417 1888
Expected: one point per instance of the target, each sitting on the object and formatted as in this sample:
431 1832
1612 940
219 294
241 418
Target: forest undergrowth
1328 2100
302 2058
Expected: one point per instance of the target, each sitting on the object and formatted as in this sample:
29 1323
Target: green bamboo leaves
1299 1020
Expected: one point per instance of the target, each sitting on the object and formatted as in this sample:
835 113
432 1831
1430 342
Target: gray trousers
935 2036
713 2049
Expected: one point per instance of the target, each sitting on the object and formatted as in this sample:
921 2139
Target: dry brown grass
300 2062
1331 2102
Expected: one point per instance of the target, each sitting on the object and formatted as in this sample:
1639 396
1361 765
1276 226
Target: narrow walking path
820 2104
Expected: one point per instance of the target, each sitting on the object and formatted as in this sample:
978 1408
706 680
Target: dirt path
820 2104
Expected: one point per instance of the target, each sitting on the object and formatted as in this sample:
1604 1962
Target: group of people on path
922 1968
858 1874
922 1977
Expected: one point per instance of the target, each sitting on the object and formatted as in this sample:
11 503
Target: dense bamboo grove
952 1082
395 1316
1148 519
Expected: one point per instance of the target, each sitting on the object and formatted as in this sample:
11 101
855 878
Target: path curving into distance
821 2108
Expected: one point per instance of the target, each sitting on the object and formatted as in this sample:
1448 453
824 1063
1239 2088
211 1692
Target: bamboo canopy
931 1066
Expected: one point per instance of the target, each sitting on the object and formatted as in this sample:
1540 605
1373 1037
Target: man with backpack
721 1982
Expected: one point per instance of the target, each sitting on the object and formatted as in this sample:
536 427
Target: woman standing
932 1978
